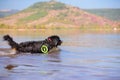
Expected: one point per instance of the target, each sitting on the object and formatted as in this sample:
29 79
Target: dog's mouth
59 42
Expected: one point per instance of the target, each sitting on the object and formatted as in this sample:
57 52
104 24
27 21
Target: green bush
35 16
4 26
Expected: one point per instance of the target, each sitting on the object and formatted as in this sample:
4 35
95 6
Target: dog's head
54 40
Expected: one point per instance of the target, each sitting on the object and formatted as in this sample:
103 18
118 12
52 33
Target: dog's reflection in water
53 56
7 52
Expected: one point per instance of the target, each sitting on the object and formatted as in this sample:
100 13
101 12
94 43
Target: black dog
34 46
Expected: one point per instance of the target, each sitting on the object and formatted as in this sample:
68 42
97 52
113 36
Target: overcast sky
22 4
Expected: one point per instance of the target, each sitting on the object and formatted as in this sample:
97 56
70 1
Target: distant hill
112 14
54 14
4 13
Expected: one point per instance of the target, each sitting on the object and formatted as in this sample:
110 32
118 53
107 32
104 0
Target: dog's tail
12 43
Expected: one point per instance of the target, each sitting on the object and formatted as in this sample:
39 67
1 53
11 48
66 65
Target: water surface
84 55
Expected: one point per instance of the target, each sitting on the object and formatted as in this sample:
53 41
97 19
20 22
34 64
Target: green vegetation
4 26
35 16
112 14
62 15
46 6
82 27
58 6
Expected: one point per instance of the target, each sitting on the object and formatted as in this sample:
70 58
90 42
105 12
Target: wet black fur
33 46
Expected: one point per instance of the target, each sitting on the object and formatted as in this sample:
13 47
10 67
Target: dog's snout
60 42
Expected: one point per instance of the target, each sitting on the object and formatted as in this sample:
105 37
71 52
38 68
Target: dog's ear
49 39
52 41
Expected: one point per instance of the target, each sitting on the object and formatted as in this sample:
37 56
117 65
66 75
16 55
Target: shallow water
84 55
